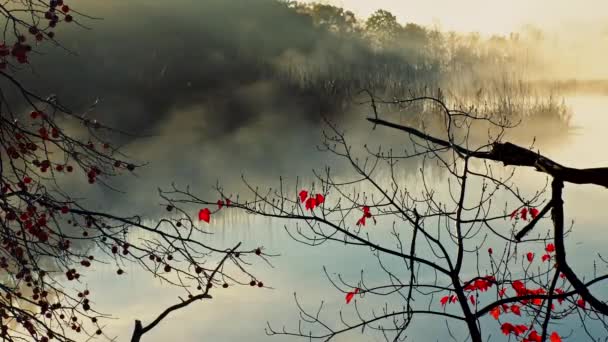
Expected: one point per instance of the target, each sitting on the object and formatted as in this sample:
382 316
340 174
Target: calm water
241 313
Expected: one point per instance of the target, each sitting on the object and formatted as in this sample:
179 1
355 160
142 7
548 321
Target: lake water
241 313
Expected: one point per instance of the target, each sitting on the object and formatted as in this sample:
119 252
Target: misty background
216 89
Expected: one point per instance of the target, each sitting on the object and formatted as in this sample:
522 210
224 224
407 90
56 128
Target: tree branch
511 154
139 331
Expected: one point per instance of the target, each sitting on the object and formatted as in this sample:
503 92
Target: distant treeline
383 54
402 59
315 57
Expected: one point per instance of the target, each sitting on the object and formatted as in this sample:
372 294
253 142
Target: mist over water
223 89
299 268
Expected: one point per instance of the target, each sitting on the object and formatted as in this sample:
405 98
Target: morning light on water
273 170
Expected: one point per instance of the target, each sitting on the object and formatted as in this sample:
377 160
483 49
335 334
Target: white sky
490 16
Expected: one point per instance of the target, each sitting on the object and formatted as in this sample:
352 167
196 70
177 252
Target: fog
214 90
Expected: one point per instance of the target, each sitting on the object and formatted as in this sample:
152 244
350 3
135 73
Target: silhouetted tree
449 249
49 236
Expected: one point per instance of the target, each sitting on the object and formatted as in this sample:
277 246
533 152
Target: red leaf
534 337
550 248
490 251
515 309
507 328
555 337
513 214
319 199
365 209
204 215
444 300
530 256
533 212
453 299
524 214
495 312
303 195
350 295
311 203
520 329
580 303
220 204
472 299
546 257
361 221
482 285
228 202
502 291
470 287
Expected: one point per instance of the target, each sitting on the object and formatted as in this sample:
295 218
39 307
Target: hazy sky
495 16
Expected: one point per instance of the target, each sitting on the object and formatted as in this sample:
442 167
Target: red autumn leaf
555 337
550 248
366 214
303 195
524 214
490 251
546 257
530 256
27 180
453 299
319 199
513 214
495 312
204 215
472 299
502 291
220 204
482 285
444 300
515 309
350 295
580 303
361 221
520 329
534 337
533 212
537 301
507 328
311 203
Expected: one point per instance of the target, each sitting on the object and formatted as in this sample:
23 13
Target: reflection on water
299 268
